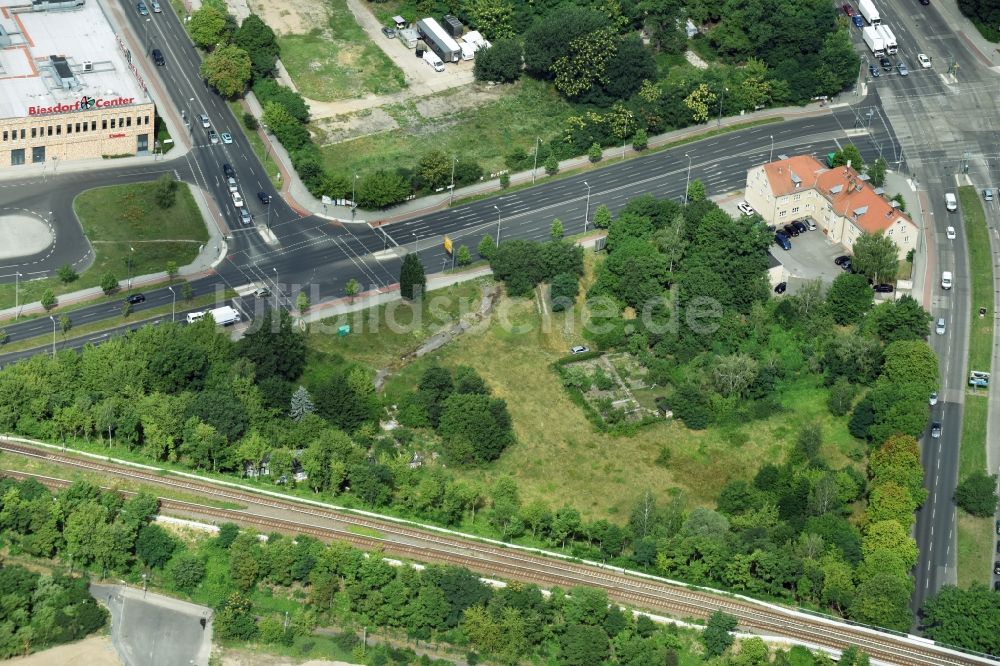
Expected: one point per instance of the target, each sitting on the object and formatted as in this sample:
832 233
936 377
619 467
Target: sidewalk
301 200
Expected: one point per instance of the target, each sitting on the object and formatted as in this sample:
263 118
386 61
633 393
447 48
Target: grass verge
339 60
77 332
975 535
119 217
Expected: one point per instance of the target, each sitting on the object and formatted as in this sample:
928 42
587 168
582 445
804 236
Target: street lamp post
721 98
687 185
275 288
770 156
17 286
173 302
586 214
454 161
131 250
538 141
354 190
53 335
145 25
498 225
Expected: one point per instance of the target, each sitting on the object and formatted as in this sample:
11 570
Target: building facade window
128 122
17 157
795 209
78 127
50 130
22 137
69 128
58 130
104 123
38 154
5 135
34 132
93 125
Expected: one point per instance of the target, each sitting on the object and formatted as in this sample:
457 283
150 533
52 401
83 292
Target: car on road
886 64
933 399
579 349
924 61
950 233
883 288
902 69
135 299
227 138
946 280
263 292
245 216
745 208
935 429
237 200
389 32
858 21
874 71
233 187
998 527
782 240
848 9
988 194
228 169
155 4
996 568
941 326
264 198
781 287
925 3
141 8
204 121
158 58
213 136
841 259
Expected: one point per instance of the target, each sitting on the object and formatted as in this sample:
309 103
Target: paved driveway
811 257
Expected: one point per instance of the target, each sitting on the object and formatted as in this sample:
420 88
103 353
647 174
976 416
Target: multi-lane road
926 124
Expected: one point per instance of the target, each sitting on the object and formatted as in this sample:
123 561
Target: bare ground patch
290 17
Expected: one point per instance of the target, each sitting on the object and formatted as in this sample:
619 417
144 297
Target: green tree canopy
966 617
227 69
876 257
259 41
849 298
207 26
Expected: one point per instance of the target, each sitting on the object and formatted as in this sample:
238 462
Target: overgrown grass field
339 60
527 110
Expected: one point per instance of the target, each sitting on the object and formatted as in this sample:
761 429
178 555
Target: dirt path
92 651
490 293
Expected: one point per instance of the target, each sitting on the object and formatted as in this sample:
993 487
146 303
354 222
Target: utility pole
173 303
770 157
586 214
53 335
454 160
498 225
538 140
721 98
17 286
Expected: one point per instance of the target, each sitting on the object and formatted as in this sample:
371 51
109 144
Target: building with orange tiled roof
842 202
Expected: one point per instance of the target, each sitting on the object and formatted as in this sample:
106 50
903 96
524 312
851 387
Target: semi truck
890 39
223 316
871 14
874 41
438 40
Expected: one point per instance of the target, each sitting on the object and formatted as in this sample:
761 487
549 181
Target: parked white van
946 280
950 202
433 60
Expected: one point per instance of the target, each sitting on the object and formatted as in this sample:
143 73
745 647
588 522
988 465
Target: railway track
496 561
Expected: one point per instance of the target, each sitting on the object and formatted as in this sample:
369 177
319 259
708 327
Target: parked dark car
389 32
780 287
996 584
858 21
800 226
841 259
848 10
996 568
998 527
886 64
264 197
158 58
228 169
883 288
781 239
135 299
846 265
874 70
935 429
998 546
790 230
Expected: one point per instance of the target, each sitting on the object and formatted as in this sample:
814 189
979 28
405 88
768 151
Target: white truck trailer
223 316
871 14
438 40
874 41
891 46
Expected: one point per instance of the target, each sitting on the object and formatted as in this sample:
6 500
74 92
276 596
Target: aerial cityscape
563 332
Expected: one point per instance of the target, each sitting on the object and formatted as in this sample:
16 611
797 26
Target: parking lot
811 257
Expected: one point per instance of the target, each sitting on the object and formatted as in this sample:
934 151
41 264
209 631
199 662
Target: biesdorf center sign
85 103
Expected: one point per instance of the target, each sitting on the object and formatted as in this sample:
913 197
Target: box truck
874 41
223 316
868 10
438 40
890 39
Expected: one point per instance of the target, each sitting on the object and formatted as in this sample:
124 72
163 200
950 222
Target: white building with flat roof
68 86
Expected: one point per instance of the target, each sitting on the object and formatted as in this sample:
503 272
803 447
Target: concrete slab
23 236
811 257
